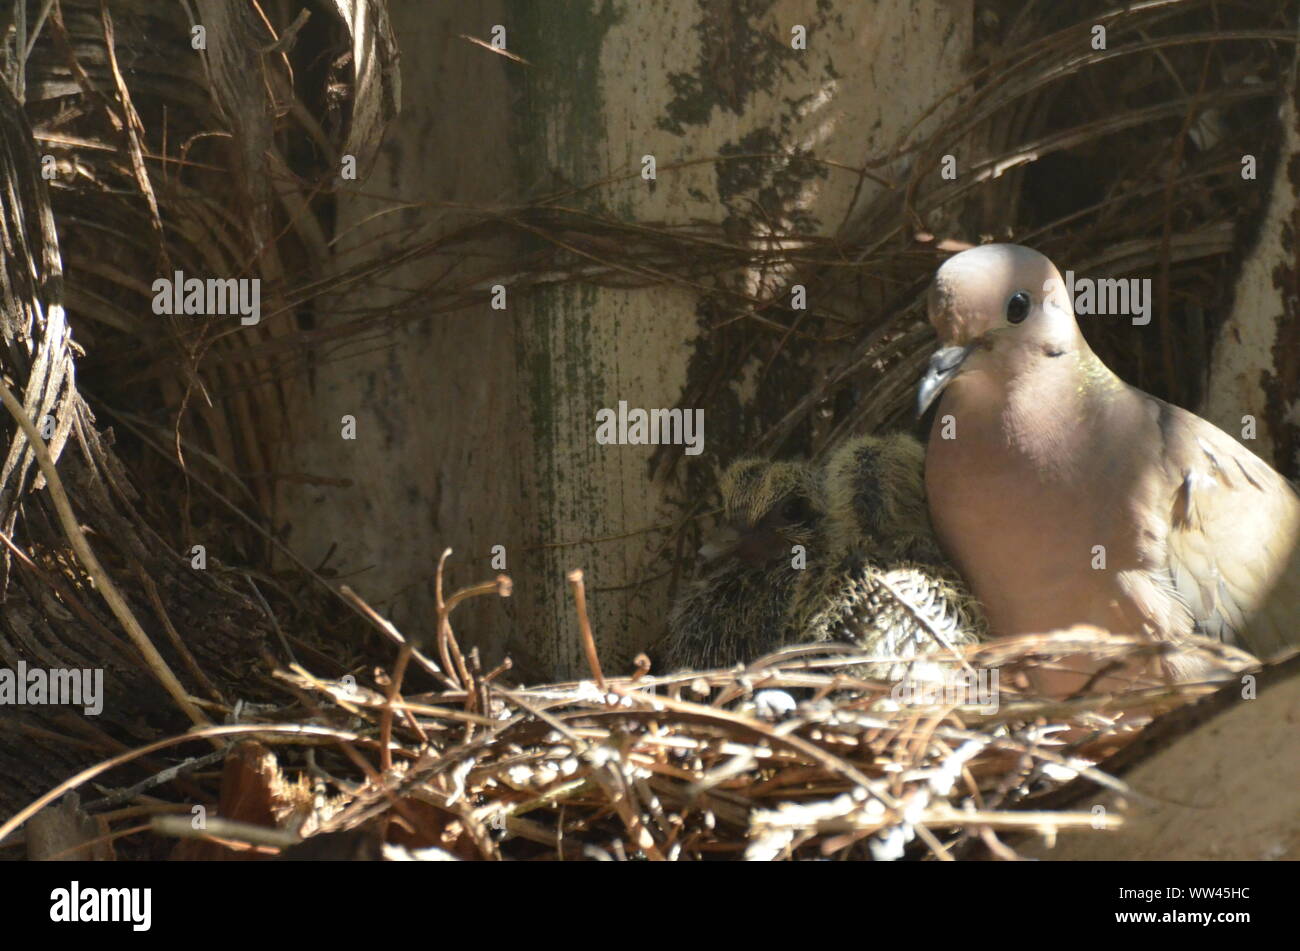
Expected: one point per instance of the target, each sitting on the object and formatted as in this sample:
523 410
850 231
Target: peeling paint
724 83
741 55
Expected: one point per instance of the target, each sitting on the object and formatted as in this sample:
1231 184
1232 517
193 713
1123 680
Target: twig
210 733
116 603
448 649
215 827
270 616
494 49
584 624
173 635
385 627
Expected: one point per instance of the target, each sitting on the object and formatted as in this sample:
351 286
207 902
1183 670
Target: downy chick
885 585
737 608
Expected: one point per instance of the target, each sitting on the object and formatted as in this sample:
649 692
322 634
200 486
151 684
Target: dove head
999 308
768 507
876 499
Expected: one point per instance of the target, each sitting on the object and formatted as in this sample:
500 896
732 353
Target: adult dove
1066 496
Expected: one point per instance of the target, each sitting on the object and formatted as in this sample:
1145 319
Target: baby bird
884 586
875 488
806 554
737 609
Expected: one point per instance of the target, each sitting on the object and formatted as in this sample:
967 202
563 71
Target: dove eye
1017 307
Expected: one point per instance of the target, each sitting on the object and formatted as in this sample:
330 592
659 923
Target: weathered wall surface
434 462
616 81
478 428
1255 368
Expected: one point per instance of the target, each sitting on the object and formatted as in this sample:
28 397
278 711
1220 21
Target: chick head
767 508
736 608
875 490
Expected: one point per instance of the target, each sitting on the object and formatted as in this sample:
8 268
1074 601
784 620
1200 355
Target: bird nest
788 757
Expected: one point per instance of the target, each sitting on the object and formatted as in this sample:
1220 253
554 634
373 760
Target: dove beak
944 365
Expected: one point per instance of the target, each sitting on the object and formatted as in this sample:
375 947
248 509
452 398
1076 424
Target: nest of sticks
786 757
789 757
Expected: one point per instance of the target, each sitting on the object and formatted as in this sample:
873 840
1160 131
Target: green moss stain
559 101
775 179
561 140
738 55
